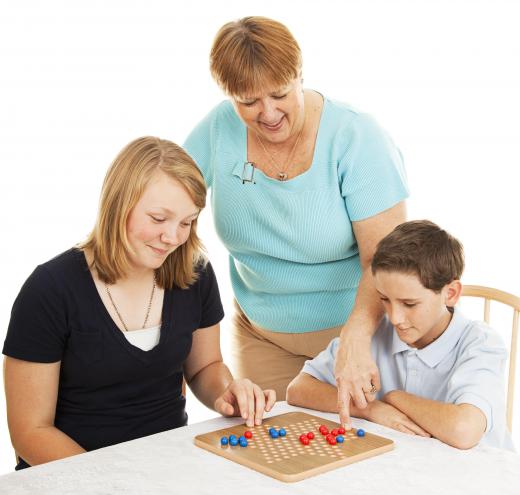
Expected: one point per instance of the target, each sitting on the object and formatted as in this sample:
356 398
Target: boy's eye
409 305
384 299
279 97
157 219
186 224
248 103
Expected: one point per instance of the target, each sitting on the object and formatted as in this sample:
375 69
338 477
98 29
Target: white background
79 80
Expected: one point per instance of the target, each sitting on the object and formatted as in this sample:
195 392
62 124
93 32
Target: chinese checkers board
286 458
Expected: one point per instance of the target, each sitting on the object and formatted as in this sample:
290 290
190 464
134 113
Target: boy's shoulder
477 334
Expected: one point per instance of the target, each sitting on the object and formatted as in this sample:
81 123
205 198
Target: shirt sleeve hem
482 404
34 357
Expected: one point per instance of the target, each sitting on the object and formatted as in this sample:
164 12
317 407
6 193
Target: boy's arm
307 391
458 425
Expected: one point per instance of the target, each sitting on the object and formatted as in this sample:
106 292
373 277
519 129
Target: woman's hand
357 376
246 399
384 414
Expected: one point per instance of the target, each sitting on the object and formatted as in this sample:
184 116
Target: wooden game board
285 458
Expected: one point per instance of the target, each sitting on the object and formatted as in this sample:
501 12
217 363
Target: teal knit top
294 261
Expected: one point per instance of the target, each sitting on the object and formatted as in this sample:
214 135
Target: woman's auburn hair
253 53
124 184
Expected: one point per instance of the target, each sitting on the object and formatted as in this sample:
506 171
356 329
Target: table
169 463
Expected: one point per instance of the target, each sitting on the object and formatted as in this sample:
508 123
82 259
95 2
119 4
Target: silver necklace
281 171
147 311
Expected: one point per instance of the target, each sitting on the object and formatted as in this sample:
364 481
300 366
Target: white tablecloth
170 463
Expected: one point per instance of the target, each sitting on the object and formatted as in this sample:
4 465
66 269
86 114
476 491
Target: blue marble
224 441
360 432
340 439
282 432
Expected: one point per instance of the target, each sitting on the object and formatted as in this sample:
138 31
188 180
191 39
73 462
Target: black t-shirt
109 390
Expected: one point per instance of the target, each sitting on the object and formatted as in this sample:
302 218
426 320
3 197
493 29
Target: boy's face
419 315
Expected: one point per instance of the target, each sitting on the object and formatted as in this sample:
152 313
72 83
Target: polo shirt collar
434 353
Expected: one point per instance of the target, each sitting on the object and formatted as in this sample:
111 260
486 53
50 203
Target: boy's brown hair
422 248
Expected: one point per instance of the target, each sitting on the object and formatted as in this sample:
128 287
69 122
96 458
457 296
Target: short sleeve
322 366
371 171
212 311
200 144
37 329
479 377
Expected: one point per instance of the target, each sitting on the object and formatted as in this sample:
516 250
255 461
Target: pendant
282 176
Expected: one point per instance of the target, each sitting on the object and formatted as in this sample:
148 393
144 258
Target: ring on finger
373 390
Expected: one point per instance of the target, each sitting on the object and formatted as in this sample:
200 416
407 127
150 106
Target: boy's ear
453 293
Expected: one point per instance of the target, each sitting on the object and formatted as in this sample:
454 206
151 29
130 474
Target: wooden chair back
488 295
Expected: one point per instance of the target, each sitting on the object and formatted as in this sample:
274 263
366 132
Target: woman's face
160 222
275 113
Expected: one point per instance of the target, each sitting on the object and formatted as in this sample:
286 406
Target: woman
303 188
101 336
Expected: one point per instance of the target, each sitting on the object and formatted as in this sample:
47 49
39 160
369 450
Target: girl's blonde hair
123 186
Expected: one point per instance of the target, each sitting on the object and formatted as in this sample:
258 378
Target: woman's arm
355 369
31 391
458 425
212 383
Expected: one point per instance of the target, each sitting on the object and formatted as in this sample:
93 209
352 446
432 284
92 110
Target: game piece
329 437
302 436
233 441
288 459
335 432
232 437
304 440
310 435
332 440
324 430
340 439
273 433
282 432
360 432
248 434
243 442
271 430
224 441
341 430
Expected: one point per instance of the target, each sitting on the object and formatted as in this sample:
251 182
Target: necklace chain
147 311
282 171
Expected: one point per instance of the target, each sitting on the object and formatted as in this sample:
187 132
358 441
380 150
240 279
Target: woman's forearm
367 311
210 382
44 444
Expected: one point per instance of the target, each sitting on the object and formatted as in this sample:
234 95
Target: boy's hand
387 415
246 399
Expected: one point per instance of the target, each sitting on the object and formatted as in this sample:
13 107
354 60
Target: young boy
441 374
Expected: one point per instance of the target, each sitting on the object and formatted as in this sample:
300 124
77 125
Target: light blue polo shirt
294 260
465 365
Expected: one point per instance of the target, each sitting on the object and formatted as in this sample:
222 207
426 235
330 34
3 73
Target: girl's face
160 222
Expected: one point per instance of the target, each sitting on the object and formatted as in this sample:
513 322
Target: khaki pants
273 359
